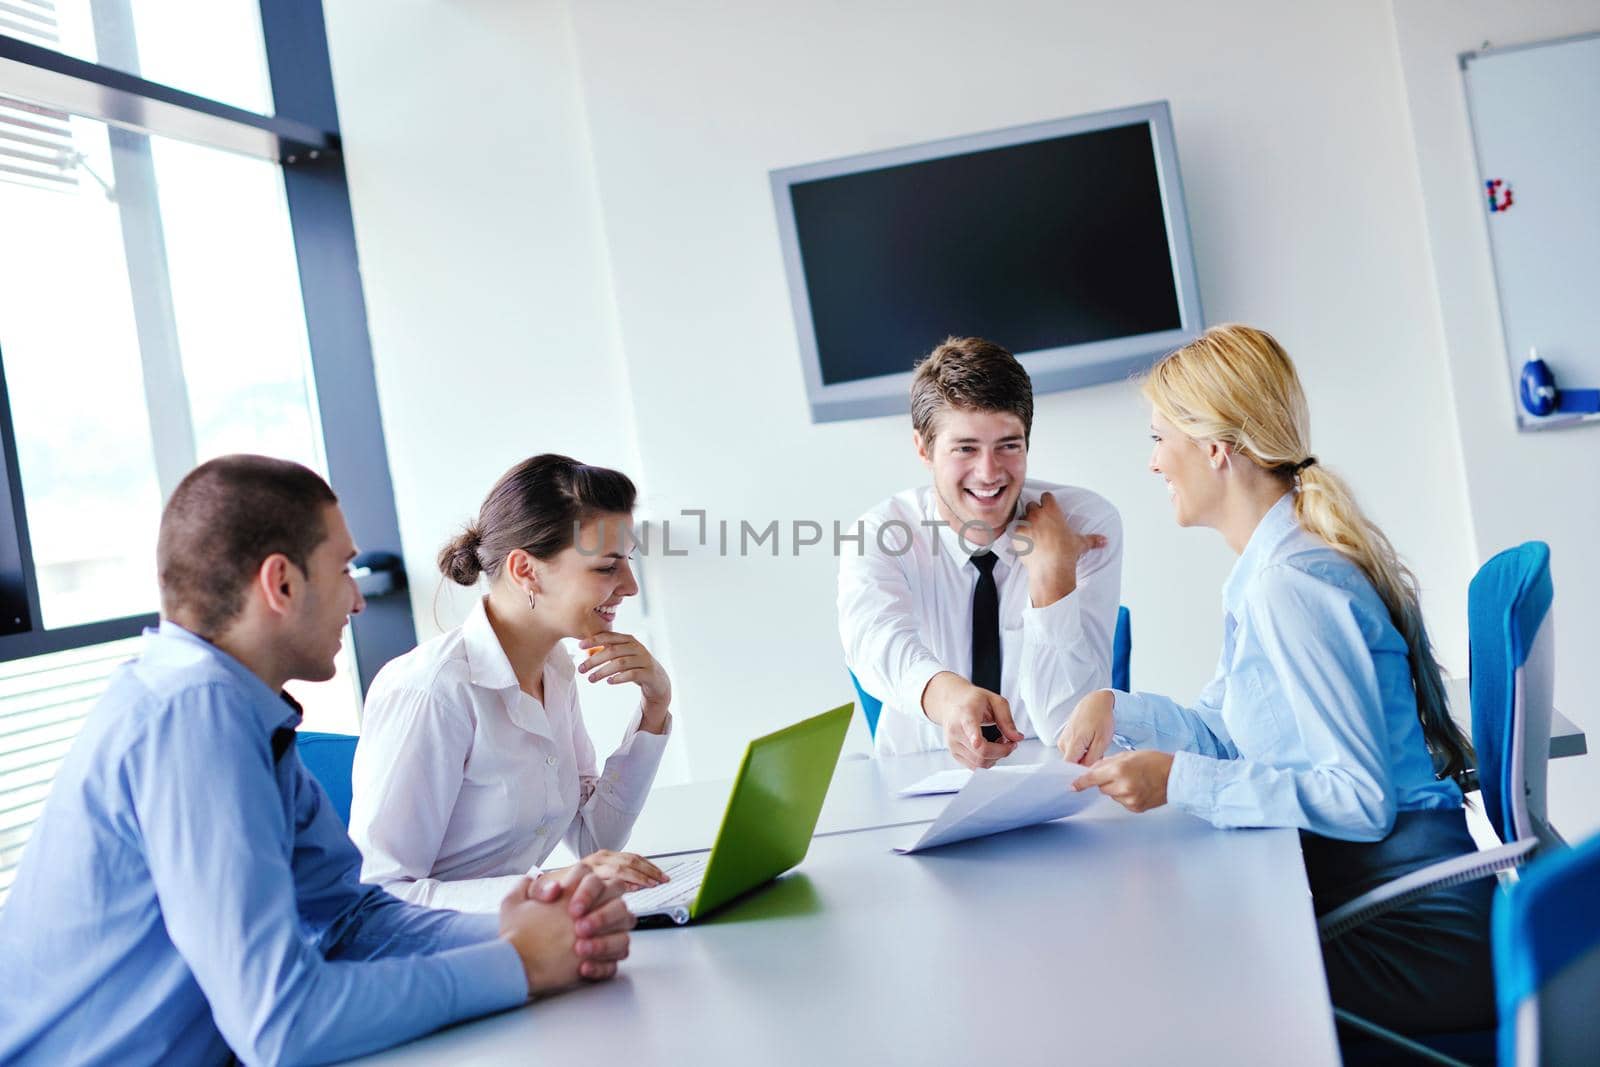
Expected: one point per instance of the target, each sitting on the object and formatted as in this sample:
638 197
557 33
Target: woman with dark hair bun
474 760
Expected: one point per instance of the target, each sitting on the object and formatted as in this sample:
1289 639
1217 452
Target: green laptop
765 831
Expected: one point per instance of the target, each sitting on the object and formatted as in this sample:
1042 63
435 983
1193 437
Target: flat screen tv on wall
1065 241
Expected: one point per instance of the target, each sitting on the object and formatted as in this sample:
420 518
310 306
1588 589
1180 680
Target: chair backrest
1511 643
1122 649
1547 960
329 758
1121 654
871 706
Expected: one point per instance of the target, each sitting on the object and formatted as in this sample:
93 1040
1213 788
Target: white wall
589 235
484 266
1522 486
1301 182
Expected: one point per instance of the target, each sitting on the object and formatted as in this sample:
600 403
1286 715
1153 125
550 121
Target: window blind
35 142
33 21
36 145
43 702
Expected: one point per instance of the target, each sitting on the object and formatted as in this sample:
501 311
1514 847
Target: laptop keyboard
685 872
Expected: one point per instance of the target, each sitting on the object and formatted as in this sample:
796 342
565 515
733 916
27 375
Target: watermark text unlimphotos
695 531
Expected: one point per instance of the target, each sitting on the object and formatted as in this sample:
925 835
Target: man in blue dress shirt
189 893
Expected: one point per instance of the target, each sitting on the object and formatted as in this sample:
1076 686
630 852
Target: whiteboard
1536 128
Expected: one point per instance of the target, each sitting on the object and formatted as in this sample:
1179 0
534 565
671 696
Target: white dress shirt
906 616
1311 720
463 782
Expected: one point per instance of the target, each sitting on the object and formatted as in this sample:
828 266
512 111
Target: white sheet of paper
1005 798
950 781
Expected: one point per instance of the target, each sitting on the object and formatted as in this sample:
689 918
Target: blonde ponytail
1236 384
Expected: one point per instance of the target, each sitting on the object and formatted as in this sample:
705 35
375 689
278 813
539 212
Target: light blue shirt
1311 720
189 890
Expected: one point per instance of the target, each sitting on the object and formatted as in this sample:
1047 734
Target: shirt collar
171 642
488 666
1275 527
487 662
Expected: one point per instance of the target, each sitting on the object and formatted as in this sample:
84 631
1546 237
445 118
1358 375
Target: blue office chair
329 758
1510 635
1121 652
871 707
1547 960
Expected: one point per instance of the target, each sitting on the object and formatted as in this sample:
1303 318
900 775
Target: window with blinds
33 21
36 145
43 702
138 337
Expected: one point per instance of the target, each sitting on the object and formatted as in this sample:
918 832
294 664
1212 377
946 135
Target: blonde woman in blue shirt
1327 699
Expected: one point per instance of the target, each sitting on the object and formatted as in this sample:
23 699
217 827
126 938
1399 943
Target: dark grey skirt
1424 967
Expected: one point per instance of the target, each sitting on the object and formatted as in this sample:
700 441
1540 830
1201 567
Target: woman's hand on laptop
621 658
630 870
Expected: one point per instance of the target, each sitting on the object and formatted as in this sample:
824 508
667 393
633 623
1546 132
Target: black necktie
986 633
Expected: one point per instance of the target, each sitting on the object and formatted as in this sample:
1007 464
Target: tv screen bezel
1052 369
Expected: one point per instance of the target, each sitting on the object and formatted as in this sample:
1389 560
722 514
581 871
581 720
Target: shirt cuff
488 977
629 773
1058 624
914 682
1129 726
1192 783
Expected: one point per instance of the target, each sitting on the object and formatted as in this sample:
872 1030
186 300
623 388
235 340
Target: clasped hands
1136 780
565 927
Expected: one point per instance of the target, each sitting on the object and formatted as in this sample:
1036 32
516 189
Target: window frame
302 137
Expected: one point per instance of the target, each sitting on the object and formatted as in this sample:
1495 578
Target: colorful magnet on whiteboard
1499 195
1538 386
1540 395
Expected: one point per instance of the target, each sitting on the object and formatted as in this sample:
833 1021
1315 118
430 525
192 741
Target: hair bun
459 561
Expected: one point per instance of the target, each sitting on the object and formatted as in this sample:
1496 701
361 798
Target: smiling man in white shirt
979 608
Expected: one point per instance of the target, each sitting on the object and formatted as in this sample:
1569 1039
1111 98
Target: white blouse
463 782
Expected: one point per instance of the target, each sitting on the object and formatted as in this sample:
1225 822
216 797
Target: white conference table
684 818
1104 937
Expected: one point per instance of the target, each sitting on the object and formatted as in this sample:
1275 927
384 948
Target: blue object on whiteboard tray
1541 396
